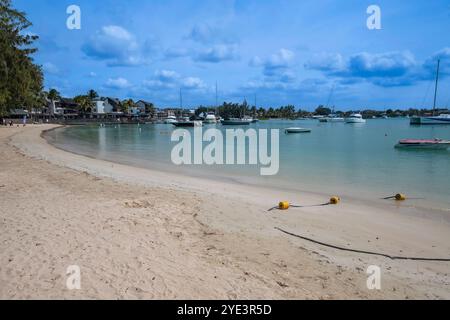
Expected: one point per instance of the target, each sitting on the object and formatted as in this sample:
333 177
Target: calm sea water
335 158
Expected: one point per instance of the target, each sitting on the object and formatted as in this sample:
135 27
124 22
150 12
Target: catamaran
441 119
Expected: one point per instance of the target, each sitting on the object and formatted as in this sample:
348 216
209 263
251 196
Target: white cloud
277 65
166 75
116 46
193 83
118 83
326 62
218 53
168 79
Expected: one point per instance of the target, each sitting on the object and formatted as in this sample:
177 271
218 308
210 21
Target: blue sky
284 52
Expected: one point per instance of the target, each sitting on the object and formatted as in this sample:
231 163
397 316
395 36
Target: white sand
137 233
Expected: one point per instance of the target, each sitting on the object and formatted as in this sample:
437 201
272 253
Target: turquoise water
335 158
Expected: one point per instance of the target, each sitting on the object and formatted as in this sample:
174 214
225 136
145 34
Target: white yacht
355 118
210 119
170 120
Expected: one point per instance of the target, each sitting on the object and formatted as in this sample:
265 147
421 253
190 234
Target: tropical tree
53 95
92 94
150 109
322 111
84 102
20 79
127 105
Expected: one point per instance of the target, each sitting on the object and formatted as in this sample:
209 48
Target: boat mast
217 104
329 97
435 87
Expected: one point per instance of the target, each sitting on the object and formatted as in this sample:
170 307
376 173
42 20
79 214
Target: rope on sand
361 251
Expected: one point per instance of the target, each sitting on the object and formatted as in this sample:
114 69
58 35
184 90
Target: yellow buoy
283 205
400 197
335 200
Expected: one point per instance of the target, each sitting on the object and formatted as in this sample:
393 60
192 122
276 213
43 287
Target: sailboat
441 119
210 117
186 122
332 117
242 121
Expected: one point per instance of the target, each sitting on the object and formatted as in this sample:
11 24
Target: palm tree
150 109
92 94
53 95
127 105
85 103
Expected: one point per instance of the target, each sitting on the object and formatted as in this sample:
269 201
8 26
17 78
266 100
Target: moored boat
297 130
170 120
210 119
188 123
355 118
436 144
332 118
441 119
236 122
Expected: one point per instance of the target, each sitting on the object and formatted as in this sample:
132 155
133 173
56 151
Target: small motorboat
297 130
170 120
188 124
236 122
210 119
332 118
435 144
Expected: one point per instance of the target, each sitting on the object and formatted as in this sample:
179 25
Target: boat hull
355 121
331 120
297 130
423 144
187 124
170 121
429 120
235 123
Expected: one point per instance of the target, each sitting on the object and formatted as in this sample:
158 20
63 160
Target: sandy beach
138 233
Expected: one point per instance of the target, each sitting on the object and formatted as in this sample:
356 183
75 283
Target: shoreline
417 205
232 220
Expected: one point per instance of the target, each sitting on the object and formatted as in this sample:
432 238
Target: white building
102 106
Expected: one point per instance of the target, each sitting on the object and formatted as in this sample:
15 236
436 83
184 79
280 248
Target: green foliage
84 102
20 79
127 105
322 111
92 94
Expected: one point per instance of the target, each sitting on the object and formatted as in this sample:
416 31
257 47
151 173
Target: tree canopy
20 78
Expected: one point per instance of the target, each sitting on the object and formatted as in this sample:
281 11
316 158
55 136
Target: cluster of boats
353 118
208 119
